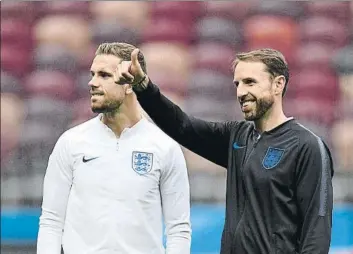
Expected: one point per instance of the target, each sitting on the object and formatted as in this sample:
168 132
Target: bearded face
106 95
254 89
255 108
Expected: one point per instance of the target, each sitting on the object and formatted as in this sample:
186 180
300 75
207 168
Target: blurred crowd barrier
47 49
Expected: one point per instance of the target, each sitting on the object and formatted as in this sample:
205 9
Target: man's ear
279 84
129 89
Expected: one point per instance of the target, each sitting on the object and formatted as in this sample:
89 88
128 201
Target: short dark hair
273 59
121 50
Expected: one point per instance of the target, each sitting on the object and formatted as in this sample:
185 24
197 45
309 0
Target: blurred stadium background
47 48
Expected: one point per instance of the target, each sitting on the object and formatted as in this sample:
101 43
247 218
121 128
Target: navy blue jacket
279 184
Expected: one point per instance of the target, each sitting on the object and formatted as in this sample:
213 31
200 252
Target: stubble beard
262 106
111 107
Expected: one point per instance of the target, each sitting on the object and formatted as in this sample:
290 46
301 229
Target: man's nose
92 82
241 91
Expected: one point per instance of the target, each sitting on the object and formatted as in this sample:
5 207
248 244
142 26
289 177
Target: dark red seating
324 30
51 84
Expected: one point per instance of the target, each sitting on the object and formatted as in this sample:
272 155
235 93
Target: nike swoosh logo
84 159
236 146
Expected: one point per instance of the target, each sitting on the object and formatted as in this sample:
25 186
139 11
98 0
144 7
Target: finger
121 82
128 77
134 57
125 71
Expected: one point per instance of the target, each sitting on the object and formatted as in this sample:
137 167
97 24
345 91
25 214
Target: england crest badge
272 158
142 162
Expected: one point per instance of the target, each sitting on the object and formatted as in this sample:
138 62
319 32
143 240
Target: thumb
134 57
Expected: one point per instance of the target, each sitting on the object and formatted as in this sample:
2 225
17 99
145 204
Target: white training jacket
109 195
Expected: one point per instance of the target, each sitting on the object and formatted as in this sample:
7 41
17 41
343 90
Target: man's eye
250 82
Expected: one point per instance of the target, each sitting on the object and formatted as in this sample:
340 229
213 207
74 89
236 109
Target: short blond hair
121 50
273 59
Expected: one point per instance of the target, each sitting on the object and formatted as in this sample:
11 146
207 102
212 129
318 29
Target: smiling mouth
245 103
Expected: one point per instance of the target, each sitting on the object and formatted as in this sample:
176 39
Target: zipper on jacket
252 149
242 179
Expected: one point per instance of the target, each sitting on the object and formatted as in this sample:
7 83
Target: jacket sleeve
314 197
57 185
207 139
175 196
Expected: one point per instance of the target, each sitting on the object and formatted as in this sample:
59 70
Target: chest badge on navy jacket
272 158
142 162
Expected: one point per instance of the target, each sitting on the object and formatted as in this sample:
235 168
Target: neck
126 117
272 118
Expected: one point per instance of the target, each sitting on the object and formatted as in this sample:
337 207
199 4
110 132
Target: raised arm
57 185
175 195
315 198
207 139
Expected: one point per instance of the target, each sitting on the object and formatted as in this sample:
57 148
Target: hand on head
130 72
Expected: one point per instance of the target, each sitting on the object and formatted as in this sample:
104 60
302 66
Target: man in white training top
112 180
